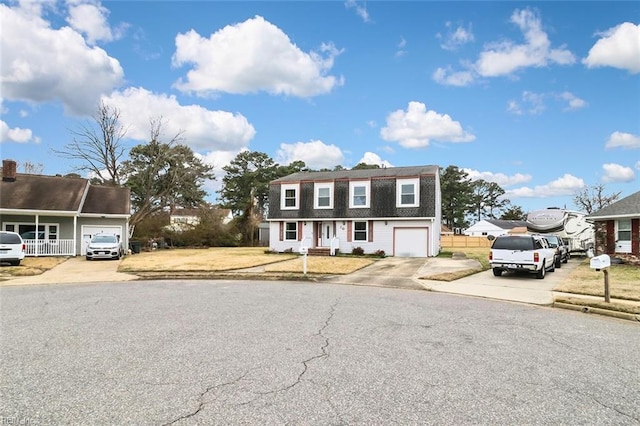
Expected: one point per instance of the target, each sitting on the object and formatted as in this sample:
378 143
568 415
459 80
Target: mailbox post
602 262
304 251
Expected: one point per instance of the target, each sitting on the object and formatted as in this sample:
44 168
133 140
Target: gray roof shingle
360 174
628 206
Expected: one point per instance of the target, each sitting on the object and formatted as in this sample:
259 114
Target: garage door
411 242
89 231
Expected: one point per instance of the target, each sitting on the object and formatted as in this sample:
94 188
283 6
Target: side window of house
624 230
360 231
359 194
407 192
323 195
291 231
290 195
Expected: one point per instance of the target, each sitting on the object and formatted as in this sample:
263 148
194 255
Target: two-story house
396 210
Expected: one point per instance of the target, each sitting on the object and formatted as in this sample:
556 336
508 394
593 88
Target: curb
598 311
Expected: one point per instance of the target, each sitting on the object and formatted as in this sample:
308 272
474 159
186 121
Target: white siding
383 236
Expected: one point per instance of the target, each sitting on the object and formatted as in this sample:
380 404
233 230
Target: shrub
379 253
358 251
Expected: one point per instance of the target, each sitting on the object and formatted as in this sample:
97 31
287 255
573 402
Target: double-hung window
291 231
359 194
360 231
624 230
407 194
323 195
290 195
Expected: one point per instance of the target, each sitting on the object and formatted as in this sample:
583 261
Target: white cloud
253 56
505 57
361 10
16 134
315 154
457 37
637 165
417 127
565 185
623 140
204 130
448 77
532 103
573 102
401 46
374 159
91 20
617 173
619 47
42 64
499 178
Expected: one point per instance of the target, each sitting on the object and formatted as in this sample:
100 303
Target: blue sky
541 97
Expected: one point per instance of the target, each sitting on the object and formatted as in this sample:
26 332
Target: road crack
203 394
305 363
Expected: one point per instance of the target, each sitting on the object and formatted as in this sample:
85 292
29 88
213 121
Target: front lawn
624 281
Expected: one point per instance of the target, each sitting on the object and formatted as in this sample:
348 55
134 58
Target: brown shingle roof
62 194
107 200
37 192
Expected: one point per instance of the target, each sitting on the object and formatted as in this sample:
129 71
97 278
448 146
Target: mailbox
600 262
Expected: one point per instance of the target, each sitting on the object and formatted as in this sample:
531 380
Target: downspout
75 218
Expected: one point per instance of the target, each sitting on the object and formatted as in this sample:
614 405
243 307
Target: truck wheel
497 272
542 272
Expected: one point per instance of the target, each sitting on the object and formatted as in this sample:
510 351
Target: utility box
600 262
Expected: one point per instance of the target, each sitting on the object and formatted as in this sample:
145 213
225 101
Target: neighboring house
184 219
495 227
620 222
65 211
397 210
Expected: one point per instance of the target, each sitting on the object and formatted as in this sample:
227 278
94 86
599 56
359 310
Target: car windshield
553 241
104 239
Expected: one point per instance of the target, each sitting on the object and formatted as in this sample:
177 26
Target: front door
326 232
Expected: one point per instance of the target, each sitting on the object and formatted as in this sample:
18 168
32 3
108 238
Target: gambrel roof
625 208
400 172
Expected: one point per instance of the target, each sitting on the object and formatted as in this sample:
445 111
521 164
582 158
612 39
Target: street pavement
231 352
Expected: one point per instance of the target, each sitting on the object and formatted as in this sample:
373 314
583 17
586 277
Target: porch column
75 235
37 233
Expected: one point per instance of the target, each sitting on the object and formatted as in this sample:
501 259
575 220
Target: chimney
9 170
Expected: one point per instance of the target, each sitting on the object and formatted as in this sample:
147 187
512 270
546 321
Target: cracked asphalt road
272 353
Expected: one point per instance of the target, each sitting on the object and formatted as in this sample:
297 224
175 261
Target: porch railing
49 248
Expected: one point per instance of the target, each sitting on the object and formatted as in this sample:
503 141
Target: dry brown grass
206 260
624 281
321 265
31 266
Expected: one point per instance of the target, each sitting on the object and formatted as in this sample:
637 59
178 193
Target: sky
540 97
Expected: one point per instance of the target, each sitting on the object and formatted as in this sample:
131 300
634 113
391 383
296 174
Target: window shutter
349 231
299 231
281 231
370 231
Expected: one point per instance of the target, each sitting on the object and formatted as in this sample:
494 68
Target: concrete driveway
514 287
76 270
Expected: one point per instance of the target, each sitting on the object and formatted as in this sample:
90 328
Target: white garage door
410 242
89 231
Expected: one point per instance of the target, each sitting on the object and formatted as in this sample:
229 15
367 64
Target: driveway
76 270
514 287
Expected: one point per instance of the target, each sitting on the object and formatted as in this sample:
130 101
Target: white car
12 248
104 246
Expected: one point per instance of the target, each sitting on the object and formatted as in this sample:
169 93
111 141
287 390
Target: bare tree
98 145
31 168
594 198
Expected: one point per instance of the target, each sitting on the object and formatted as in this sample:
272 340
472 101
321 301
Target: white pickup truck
522 253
